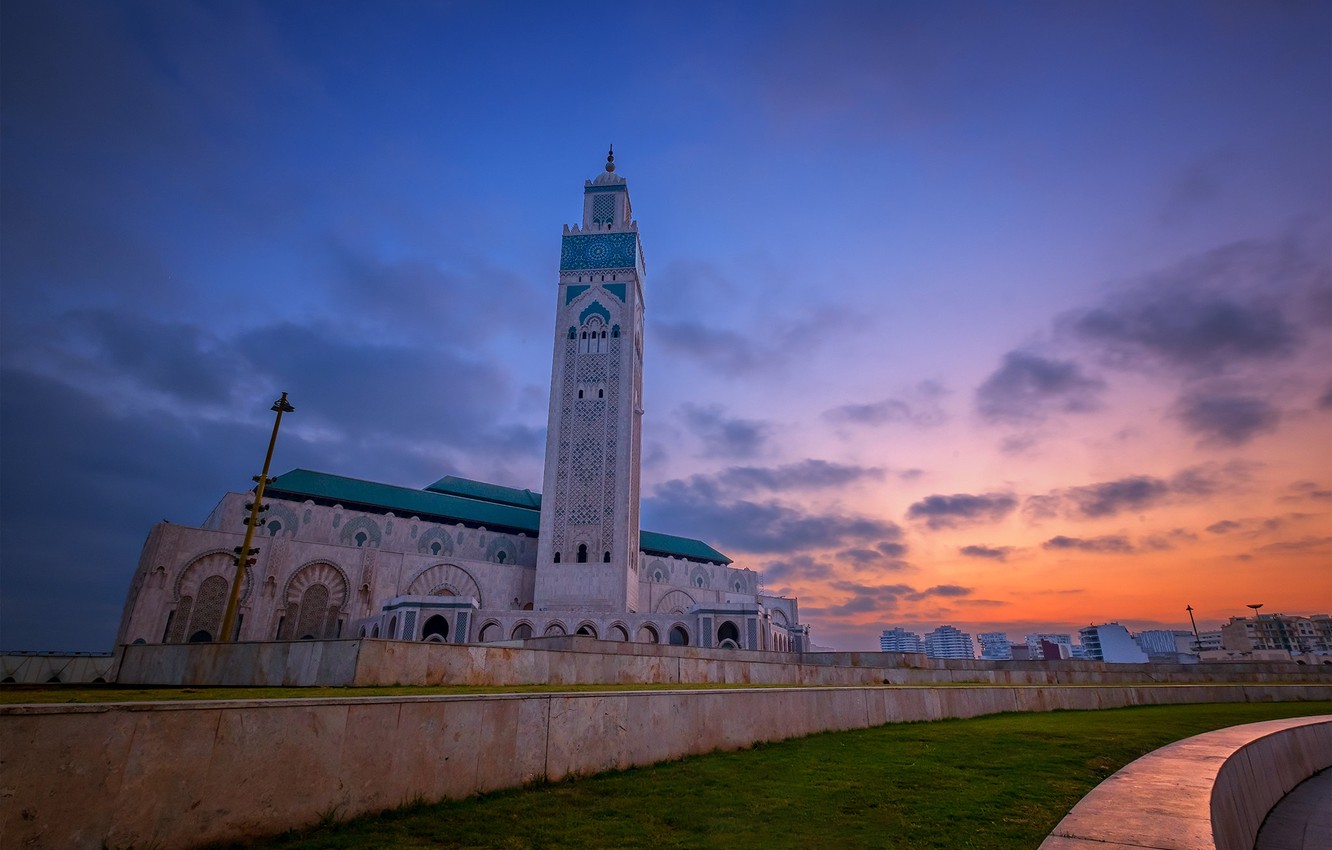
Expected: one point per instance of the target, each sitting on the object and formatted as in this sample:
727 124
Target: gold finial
610 159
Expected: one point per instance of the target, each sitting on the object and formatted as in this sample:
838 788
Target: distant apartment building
1111 643
1034 644
948 642
900 640
1165 642
1279 632
1051 651
995 646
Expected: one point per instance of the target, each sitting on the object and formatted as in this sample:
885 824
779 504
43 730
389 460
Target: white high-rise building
1110 642
900 640
995 646
948 642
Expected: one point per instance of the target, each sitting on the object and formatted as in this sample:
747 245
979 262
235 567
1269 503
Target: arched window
605 557
601 393
557 557
679 637
647 634
615 332
580 393
274 526
436 629
522 631
728 632
435 547
582 553
573 334
501 555
200 636
361 538
489 632
393 628
587 631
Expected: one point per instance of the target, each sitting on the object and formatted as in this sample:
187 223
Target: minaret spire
610 160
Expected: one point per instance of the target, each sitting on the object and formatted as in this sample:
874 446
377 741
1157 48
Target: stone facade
467 562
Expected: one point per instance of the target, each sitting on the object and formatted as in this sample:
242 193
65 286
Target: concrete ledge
175 774
583 660
1208 792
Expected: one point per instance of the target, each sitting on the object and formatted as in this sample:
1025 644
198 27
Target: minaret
587 555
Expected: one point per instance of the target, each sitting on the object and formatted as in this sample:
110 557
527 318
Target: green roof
656 543
455 486
452 499
403 501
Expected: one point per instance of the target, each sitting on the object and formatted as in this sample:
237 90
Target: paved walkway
1303 818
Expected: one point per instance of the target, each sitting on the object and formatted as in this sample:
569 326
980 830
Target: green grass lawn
995 782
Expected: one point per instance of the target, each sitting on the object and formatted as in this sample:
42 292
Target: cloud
1224 526
1205 314
724 436
922 410
734 354
809 474
1226 420
865 598
1135 493
1028 387
698 508
803 567
962 509
1307 491
1168 540
993 553
1310 544
885 555
1112 497
1105 544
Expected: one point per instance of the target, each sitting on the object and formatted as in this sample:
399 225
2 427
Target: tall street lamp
244 553
1197 641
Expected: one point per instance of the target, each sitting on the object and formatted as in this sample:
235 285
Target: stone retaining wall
1209 792
174 775
577 661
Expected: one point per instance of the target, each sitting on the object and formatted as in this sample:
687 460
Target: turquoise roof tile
452 499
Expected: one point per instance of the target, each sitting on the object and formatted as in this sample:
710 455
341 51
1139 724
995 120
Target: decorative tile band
598 251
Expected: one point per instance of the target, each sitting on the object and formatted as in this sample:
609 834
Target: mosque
463 561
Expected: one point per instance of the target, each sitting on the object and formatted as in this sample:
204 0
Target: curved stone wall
1209 792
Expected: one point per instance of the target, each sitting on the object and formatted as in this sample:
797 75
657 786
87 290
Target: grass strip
999 782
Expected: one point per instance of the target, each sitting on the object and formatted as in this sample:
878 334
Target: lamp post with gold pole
244 553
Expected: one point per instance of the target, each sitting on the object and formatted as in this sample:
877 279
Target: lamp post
245 554
1197 641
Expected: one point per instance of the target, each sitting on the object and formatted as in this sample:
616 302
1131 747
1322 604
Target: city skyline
1013 319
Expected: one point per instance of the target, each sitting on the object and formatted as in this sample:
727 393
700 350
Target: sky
1010 316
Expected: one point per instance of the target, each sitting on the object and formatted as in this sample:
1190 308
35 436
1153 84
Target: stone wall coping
1208 792
38 708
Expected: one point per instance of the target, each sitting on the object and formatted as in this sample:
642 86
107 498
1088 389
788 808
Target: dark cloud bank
1213 325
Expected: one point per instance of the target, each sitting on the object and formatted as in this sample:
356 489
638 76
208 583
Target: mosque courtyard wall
179 774
576 660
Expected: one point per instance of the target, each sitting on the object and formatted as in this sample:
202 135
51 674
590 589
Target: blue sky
1003 315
